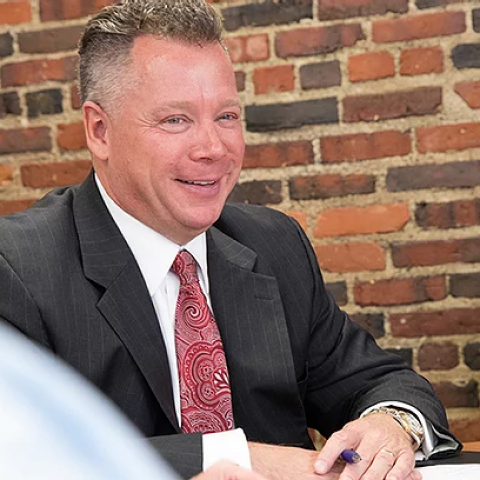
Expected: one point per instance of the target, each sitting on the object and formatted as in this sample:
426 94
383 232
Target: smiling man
208 324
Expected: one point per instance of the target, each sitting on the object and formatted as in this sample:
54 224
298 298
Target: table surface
471 447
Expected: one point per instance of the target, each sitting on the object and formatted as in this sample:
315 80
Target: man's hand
228 471
386 450
285 463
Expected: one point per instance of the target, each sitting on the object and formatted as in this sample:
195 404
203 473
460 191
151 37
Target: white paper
467 471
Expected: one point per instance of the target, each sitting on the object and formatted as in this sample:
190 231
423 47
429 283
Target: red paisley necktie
205 396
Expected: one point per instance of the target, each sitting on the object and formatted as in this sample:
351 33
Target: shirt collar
153 252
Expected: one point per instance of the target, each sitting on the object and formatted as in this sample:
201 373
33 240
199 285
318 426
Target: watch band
408 421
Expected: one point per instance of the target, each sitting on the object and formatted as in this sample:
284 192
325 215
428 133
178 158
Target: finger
382 463
403 468
415 475
332 449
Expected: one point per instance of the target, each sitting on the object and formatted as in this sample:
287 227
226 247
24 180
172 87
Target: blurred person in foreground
55 426
104 273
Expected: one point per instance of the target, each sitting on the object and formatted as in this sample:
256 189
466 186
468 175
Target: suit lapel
126 303
251 320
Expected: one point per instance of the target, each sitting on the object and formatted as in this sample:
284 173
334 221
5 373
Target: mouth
200 183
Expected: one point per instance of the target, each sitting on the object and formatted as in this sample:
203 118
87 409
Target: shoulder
39 225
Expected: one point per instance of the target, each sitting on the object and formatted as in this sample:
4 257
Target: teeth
203 184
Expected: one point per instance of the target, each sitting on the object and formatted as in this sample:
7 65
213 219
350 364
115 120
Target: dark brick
50 40
466 55
270 12
457 396
438 356
44 102
330 185
12 206
56 174
460 213
6 45
339 292
257 193
476 20
371 108
405 353
240 80
264 118
320 75
328 10
317 40
421 4
372 322
10 104
471 353
465 285
449 175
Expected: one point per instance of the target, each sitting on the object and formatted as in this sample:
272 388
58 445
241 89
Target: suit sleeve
348 372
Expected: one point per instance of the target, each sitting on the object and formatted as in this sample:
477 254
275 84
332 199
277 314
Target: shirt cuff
230 445
433 443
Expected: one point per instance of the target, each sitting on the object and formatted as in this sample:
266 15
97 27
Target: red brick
458 321
38 71
439 252
71 136
448 137
466 430
400 290
361 220
12 206
460 213
470 92
370 66
330 185
38 175
456 396
273 79
21 140
317 40
68 9
419 61
284 154
438 356
351 257
300 217
419 101
75 98
365 146
14 12
419 26
335 9
248 48
6 174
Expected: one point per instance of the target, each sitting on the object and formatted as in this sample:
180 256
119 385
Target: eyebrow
233 102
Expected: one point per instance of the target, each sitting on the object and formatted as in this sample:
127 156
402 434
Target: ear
95 121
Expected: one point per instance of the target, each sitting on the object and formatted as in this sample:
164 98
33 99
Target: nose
208 143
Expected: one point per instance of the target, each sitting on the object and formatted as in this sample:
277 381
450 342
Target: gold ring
388 452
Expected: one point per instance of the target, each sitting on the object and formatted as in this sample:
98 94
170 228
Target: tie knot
185 267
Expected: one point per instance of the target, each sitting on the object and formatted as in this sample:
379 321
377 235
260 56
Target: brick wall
362 120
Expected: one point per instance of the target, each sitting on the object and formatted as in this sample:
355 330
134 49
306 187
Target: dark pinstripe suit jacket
69 281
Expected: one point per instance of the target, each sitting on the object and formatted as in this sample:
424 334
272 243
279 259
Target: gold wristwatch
408 421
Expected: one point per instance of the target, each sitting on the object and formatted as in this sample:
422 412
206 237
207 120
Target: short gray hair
105 45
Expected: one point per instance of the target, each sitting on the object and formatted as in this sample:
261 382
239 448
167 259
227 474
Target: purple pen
350 456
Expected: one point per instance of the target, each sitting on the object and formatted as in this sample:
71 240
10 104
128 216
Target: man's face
174 141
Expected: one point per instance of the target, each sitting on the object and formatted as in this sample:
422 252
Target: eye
228 116
175 120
